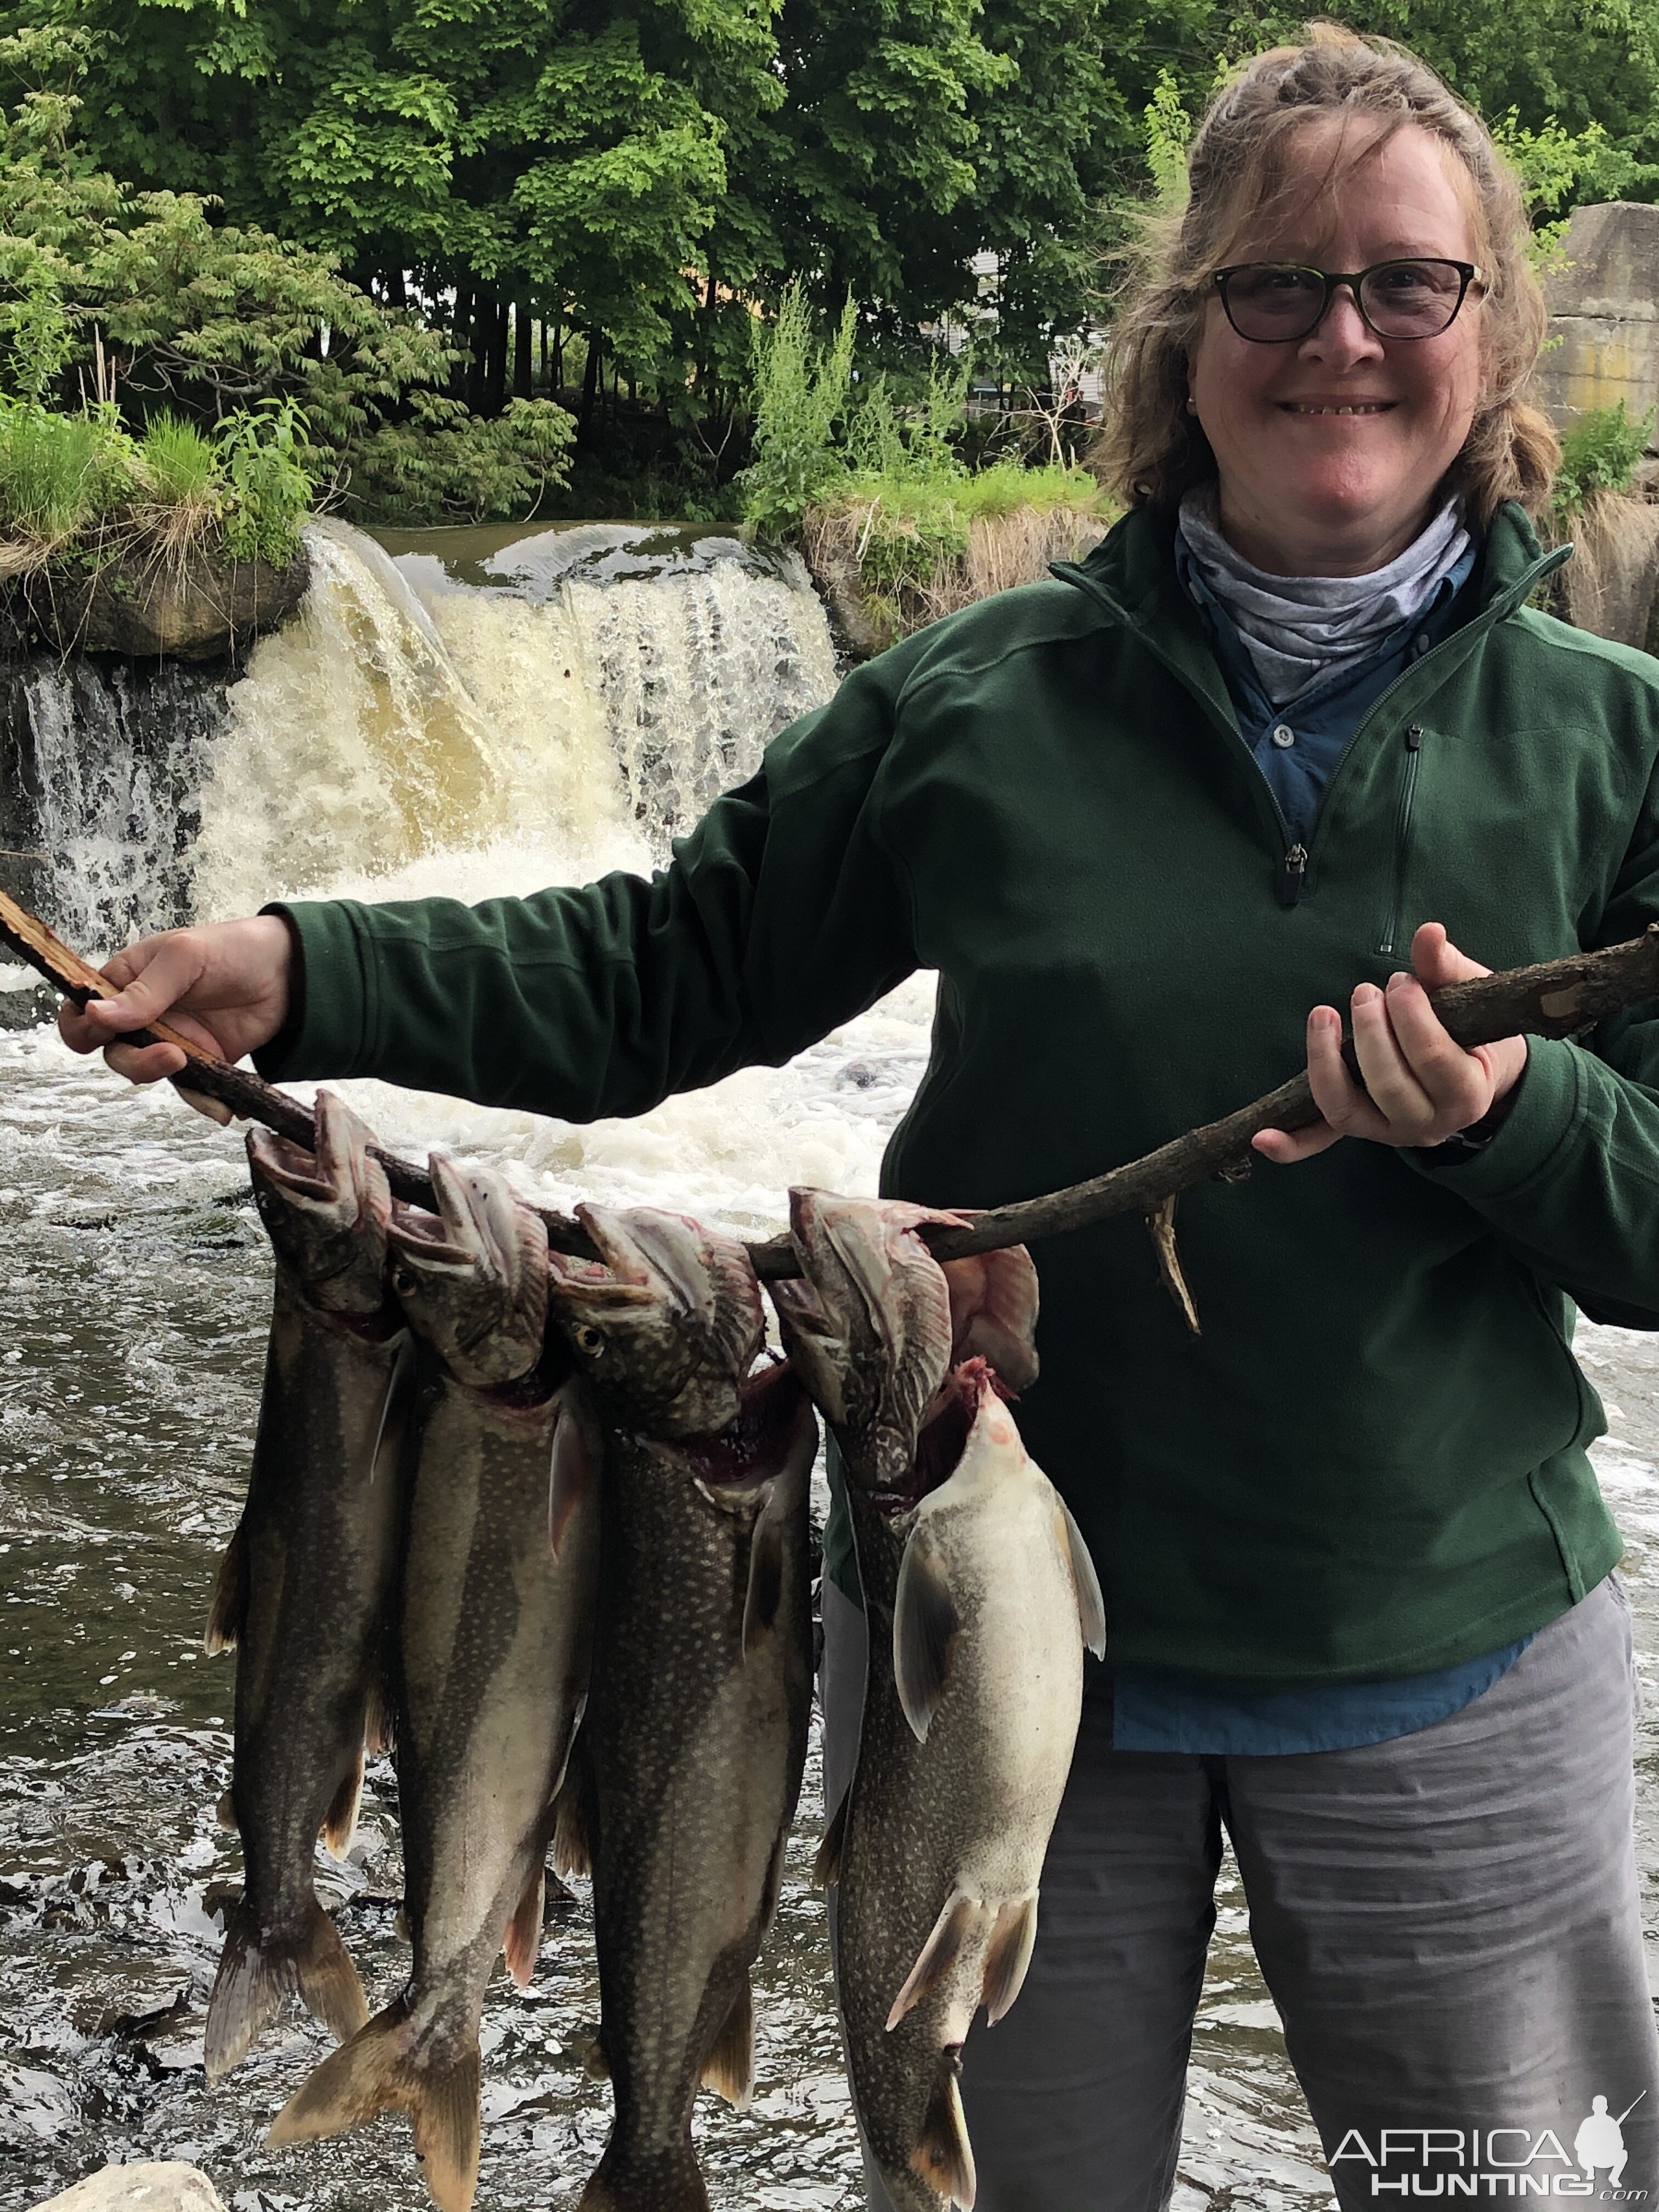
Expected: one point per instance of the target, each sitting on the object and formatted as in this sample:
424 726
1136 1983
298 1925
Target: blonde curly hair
1152 449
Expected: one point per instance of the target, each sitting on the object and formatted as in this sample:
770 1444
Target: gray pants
1449 1925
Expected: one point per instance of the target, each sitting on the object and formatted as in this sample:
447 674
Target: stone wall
1603 296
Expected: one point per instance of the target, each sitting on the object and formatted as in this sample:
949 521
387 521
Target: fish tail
387 2067
944 2157
254 1978
666 2180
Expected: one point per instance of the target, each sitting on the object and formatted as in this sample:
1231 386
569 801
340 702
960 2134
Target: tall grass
82 488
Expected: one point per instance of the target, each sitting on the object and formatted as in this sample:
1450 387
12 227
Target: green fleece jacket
1372 1461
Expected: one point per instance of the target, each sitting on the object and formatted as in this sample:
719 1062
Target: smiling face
1329 449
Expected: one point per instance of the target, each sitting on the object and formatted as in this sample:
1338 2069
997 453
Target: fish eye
588 1338
405 1280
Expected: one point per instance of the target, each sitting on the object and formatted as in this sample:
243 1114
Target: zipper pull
1292 873
1414 737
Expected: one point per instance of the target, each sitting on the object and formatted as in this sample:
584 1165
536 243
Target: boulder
1603 291
158 2186
200 610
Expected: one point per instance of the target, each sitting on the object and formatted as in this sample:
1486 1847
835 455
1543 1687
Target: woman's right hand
224 986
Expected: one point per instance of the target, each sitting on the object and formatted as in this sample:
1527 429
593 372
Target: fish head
867 1326
993 1312
327 1209
666 1323
472 1280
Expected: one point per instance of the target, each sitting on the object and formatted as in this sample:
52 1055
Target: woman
1294 717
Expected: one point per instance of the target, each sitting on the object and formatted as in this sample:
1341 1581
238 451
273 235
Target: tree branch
1555 999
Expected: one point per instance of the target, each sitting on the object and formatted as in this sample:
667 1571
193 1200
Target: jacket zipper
1291 872
1402 834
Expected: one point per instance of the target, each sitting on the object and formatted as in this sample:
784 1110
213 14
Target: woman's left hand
1421 1086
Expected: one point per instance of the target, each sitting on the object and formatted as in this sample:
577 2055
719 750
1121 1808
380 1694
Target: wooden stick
1555 999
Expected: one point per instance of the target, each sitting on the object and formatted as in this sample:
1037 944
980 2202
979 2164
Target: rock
1603 298
156 2186
200 611
27 1008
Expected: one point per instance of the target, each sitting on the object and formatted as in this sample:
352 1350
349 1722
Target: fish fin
925 1624
1090 1605
400 1927
1009 1956
826 1868
379 1717
760 1607
399 1390
590 2053
570 1477
729 2068
523 1939
942 2156
771 1887
225 1811
384 2068
340 1821
253 1979
572 1851
229 1606
939 1954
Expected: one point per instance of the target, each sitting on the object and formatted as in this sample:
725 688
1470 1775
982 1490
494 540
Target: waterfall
565 704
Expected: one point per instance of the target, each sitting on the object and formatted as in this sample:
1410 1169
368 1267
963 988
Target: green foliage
801 396
1600 453
179 462
441 465
61 474
1169 130
205 319
264 455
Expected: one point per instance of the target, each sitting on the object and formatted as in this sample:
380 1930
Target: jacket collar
1131 573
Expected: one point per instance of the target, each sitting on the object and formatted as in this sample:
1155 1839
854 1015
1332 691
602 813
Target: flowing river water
489 715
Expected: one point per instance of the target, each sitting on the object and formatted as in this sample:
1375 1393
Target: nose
1342 336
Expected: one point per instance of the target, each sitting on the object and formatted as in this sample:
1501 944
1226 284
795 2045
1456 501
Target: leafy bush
140 296
800 393
263 455
1601 451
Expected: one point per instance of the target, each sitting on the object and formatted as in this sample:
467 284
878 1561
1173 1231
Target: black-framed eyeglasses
1277 302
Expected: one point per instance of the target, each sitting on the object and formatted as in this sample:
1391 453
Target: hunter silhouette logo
1505 2161
1601 2140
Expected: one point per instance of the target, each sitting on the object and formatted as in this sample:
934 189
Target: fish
980 1596
696 1734
493 1647
306 1590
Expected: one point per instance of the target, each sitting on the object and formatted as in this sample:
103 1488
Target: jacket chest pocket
1399 859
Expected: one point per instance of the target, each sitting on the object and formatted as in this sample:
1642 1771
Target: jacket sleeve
781 915
1572 1179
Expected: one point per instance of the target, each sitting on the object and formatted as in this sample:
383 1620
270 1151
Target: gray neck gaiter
1297 628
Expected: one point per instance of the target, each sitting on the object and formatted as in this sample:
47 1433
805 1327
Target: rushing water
362 753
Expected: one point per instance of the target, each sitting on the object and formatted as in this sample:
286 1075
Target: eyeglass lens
1272 300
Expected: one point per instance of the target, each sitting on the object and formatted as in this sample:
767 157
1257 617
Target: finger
1436 960
1338 1097
1401 1104
1457 1085
145 1063
151 978
1284 1147
215 1108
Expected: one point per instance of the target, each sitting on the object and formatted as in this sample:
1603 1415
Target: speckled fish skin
979 1597
494 1646
307 1585
696 1734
